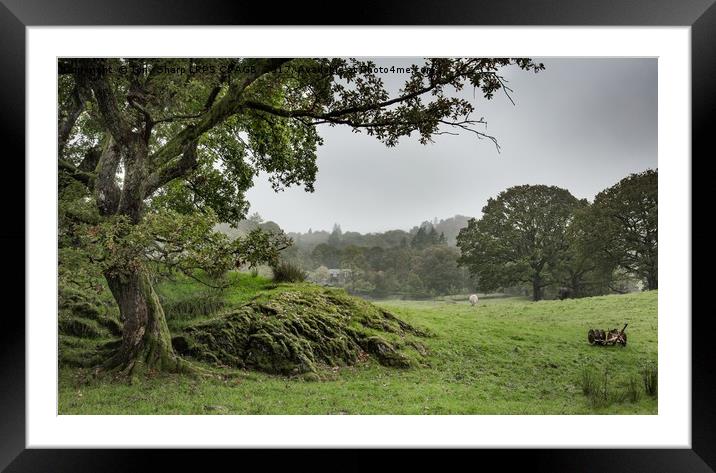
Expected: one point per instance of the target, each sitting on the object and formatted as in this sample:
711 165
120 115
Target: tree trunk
536 288
146 341
652 281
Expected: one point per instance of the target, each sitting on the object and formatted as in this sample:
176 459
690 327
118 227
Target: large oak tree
521 238
625 226
156 141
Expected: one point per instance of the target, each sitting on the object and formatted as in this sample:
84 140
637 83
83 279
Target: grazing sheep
473 299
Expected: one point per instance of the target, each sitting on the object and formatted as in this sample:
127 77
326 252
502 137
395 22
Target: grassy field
504 356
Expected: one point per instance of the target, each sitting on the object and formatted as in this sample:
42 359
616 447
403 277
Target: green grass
504 356
241 287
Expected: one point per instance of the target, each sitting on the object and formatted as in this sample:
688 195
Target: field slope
504 356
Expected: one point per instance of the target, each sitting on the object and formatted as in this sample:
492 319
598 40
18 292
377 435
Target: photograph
357 235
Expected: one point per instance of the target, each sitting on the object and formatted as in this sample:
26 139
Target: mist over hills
448 227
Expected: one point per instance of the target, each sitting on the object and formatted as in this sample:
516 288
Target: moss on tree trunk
146 340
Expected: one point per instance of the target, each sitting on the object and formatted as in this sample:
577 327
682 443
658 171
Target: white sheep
473 299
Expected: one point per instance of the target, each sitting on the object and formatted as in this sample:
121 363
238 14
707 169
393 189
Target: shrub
285 271
588 381
601 397
595 387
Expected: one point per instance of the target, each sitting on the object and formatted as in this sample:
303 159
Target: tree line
419 264
532 240
416 263
543 237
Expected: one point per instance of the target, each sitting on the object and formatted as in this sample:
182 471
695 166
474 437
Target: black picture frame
16 15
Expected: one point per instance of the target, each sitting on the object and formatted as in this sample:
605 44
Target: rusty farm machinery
609 337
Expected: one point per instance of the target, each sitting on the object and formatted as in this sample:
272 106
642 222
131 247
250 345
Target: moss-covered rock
84 314
297 331
80 327
85 352
88 324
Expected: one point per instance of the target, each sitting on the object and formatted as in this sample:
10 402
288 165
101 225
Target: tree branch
229 104
84 177
107 192
306 113
210 99
172 170
110 114
64 127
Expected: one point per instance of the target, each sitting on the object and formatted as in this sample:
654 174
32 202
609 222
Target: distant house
330 277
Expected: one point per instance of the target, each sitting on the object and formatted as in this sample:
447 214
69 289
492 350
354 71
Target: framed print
370 233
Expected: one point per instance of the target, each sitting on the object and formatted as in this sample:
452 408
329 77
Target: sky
581 124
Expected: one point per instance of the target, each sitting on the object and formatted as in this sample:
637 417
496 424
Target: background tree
322 275
438 270
189 135
427 236
328 255
625 226
582 272
420 239
521 237
336 236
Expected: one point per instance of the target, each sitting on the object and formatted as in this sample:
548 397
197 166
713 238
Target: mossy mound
87 326
83 314
296 331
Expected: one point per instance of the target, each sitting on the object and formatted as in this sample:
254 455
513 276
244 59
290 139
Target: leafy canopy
521 237
160 143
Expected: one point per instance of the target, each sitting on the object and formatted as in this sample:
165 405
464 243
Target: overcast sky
581 124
